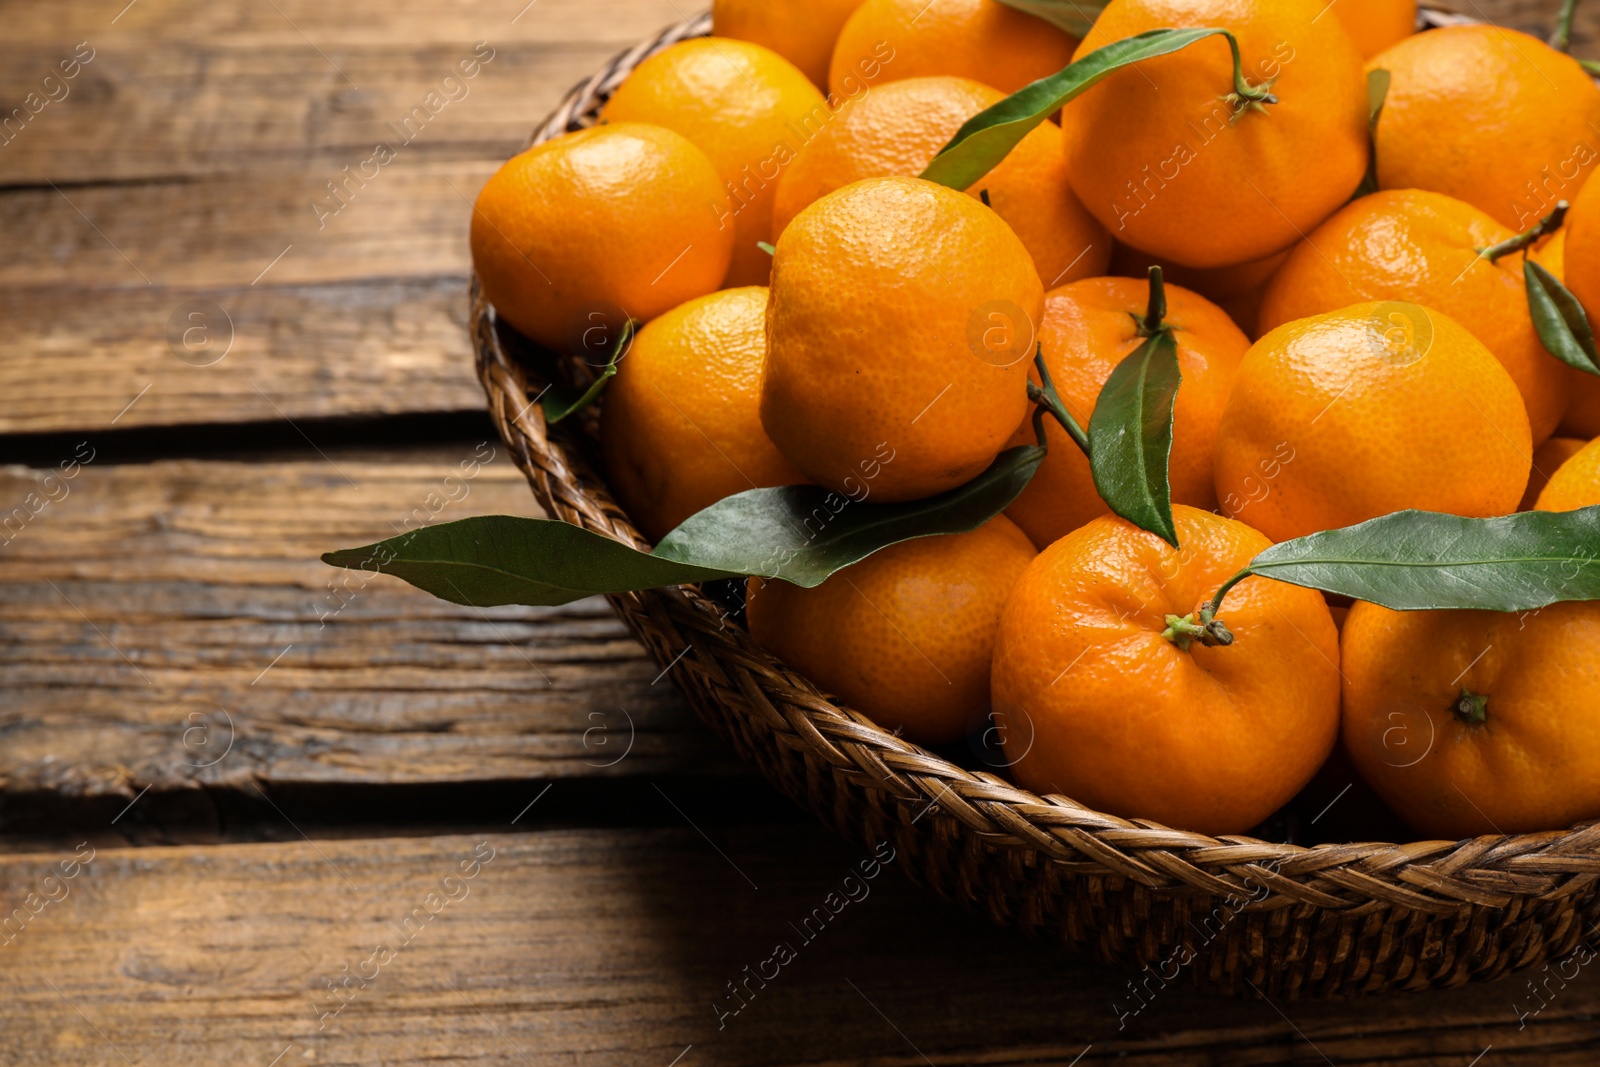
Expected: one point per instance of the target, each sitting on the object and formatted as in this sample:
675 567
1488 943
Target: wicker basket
1280 919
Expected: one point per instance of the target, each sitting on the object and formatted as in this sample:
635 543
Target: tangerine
1408 244
898 128
906 635
1576 483
1098 698
576 235
1573 256
802 33
680 427
747 108
1342 417
1174 162
1476 722
1487 115
886 40
1547 459
899 329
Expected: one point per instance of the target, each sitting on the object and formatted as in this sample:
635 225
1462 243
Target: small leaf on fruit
1130 436
1074 16
1562 324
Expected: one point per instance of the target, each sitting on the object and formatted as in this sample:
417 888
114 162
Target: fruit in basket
576 235
1376 24
1580 271
1088 328
1408 244
1476 722
900 326
906 635
1342 417
984 40
681 428
1576 483
1487 115
1175 164
802 33
1100 700
747 108
1547 459
898 128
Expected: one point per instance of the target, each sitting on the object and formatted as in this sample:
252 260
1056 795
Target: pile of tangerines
1344 285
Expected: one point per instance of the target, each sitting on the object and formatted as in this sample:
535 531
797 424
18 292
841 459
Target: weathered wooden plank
143 110
233 354
156 616
620 947
409 221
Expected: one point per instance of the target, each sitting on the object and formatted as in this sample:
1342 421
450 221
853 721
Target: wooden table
255 811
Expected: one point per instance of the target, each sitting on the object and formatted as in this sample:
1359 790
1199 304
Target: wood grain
154 611
612 946
253 354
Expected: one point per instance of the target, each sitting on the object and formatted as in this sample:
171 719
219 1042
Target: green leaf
801 534
1130 435
1378 81
1377 92
502 559
1562 324
1074 16
559 403
1422 560
986 138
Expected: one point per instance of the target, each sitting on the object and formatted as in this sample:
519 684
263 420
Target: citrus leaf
1130 435
1074 16
986 138
559 403
804 533
1562 324
1377 91
1422 560
490 560
801 534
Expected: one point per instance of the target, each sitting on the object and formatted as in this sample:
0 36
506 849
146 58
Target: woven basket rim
1431 876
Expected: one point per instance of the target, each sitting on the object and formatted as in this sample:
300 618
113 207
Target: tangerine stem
1473 708
1549 224
1210 611
1561 38
1156 309
1049 400
1242 88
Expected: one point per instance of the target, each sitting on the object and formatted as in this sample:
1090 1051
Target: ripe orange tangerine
906 635
1342 417
1576 483
1097 702
680 427
881 348
1487 115
576 235
1476 722
747 108
900 126
1172 161
801 31
984 40
1409 244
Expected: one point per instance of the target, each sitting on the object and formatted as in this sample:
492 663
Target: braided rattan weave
1287 920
